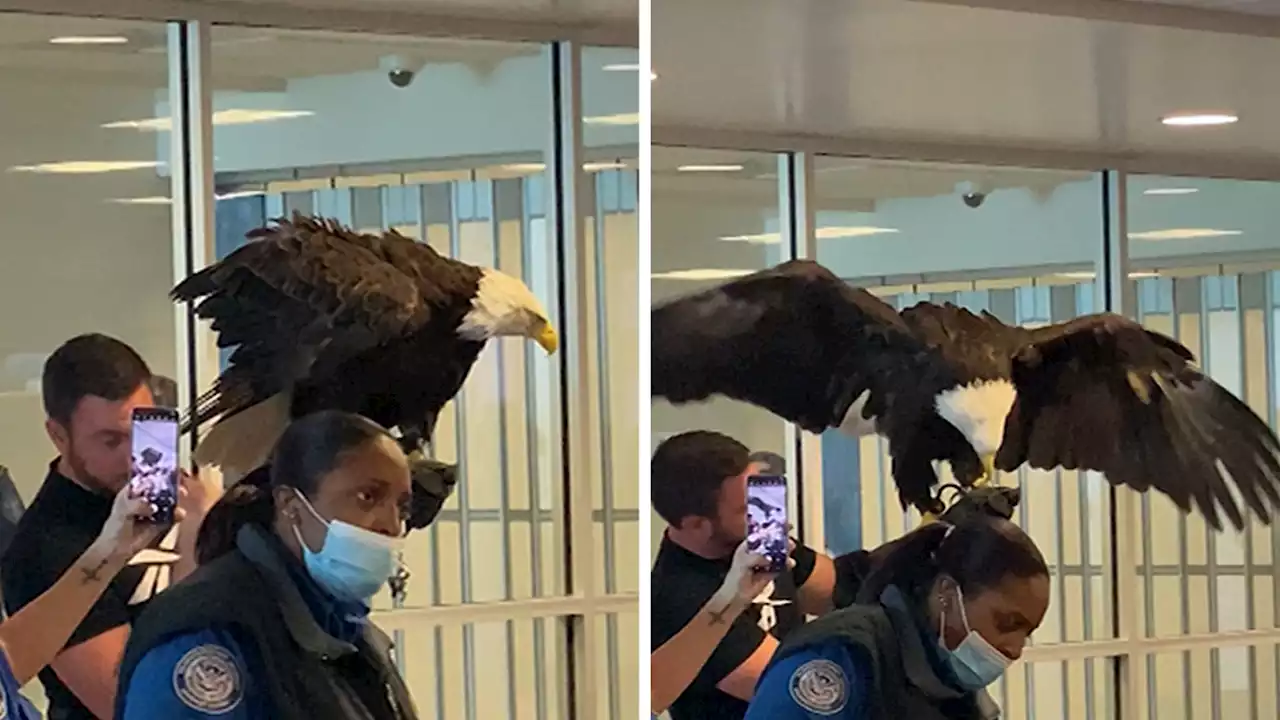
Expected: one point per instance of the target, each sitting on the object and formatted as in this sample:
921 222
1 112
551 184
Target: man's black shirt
59 526
682 583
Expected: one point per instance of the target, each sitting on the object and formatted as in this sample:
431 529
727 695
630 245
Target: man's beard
87 479
726 541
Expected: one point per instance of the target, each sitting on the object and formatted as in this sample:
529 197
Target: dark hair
978 554
774 463
91 364
310 448
687 471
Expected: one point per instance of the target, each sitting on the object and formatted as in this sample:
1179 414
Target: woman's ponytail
908 562
248 501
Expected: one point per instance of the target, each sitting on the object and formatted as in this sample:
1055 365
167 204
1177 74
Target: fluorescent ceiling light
1090 276
709 168
701 274
152 200
220 117
164 200
615 119
89 40
628 67
1183 234
540 167
85 167
822 233
1198 119
239 194
1170 191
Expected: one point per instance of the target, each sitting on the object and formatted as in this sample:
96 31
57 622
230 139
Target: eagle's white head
978 410
504 305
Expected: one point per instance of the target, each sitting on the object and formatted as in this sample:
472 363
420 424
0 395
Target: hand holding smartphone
767 519
153 470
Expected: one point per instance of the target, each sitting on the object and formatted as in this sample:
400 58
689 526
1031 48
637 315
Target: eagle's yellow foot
988 476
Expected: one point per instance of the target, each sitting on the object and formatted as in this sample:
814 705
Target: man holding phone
699 485
91 385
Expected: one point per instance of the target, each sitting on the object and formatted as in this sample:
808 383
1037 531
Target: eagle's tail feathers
244 441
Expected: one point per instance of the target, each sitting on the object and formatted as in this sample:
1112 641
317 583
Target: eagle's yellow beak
548 339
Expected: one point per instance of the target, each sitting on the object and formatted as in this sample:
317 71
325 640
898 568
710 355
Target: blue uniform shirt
212 673
820 681
13 705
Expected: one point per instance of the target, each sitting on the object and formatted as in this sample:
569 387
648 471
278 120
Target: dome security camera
401 71
974 199
400 77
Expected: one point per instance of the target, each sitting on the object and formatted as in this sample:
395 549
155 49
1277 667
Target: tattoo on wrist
93 573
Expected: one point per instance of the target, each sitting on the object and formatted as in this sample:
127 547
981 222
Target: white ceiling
937 79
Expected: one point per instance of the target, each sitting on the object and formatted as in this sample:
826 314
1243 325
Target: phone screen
767 519
153 471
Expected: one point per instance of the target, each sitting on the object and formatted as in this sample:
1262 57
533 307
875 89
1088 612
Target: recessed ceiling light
89 40
822 233
598 166
540 167
1195 119
1183 234
85 167
701 274
709 168
220 117
1170 191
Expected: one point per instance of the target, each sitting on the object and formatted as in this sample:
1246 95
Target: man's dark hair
687 471
91 364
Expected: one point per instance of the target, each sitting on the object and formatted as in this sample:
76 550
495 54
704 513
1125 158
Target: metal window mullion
1269 337
1250 609
191 187
567 206
1184 581
1211 546
504 454
803 451
1115 294
464 500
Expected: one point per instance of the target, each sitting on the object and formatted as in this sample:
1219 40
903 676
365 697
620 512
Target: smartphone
153 470
767 519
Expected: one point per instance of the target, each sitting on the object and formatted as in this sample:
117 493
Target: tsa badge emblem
819 686
207 679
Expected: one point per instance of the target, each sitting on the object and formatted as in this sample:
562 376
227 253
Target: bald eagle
941 383
325 318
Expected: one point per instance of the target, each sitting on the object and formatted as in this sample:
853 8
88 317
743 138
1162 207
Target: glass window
1018 243
82 240
1203 266
611 139
85 241
383 133
716 216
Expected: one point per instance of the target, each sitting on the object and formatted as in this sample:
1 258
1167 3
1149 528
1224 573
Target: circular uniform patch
819 686
207 679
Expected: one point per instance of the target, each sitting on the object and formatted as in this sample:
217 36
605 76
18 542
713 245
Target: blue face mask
975 662
354 563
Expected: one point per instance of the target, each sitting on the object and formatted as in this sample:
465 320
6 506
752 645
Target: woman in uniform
32 637
274 623
941 617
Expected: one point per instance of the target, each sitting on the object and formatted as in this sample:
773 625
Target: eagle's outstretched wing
301 297
794 339
1103 393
